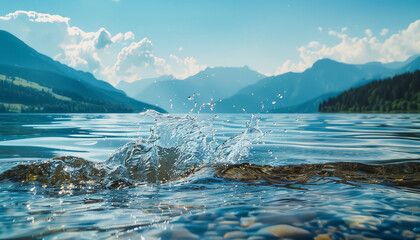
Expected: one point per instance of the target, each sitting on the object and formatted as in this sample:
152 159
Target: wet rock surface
75 170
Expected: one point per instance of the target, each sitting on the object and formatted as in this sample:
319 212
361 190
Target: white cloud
183 68
397 47
368 32
137 61
109 57
384 31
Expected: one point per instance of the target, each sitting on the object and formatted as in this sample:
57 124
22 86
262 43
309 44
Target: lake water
324 176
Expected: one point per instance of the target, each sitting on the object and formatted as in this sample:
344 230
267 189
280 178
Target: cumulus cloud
137 61
384 31
184 67
109 57
397 47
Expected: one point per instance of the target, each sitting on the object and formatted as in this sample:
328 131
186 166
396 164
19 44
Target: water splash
175 147
236 148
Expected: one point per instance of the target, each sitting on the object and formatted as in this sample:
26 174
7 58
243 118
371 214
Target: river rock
285 231
235 235
247 221
360 226
230 216
229 222
359 219
256 238
358 237
408 234
323 237
211 226
182 233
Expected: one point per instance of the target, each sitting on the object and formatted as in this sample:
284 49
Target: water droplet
273 102
190 98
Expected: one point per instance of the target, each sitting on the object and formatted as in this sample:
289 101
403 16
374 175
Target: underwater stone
408 234
211 226
247 221
362 219
285 231
229 222
235 235
180 233
255 226
360 226
256 238
230 216
323 237
358 237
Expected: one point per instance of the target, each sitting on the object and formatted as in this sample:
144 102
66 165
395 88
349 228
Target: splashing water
175 147
236 148
177 144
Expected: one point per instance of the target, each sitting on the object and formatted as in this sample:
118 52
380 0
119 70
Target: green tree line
399 94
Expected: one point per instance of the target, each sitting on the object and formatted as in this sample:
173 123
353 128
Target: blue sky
184 37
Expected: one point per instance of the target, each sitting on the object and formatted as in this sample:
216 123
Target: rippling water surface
258 178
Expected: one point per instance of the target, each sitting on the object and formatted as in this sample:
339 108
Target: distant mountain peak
325 62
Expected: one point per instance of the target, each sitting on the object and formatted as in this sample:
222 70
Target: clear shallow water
204 205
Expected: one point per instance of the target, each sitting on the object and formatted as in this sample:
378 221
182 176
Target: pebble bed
246 222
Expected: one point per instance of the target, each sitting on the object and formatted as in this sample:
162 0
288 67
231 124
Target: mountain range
209 85
291 92
28 70
230 90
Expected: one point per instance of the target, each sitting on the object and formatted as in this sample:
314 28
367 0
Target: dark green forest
17 98
400 94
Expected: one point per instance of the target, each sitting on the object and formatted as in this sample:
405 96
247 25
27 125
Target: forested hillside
400 94
20 95
29 76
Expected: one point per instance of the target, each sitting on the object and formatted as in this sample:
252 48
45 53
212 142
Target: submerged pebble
247 221
323 237
285 231
235 235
